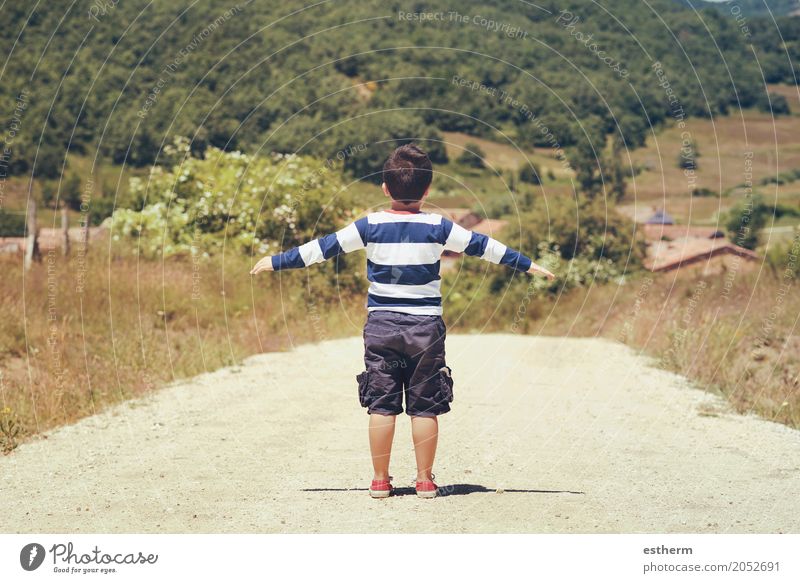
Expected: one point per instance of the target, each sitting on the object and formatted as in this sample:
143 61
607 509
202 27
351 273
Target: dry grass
140 325
791 93
742 343
504 156
722 144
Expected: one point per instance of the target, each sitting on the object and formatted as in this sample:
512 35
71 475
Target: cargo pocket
446 383
363 388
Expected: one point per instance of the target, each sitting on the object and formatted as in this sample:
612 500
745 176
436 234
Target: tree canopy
120 80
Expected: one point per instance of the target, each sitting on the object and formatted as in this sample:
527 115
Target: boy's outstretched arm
461 240
351 238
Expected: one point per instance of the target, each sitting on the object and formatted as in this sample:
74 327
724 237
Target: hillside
749 146
751 7
119 80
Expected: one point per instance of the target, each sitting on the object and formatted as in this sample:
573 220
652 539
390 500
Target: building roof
660 217
667 255
657 232
457 215
473 221
490 227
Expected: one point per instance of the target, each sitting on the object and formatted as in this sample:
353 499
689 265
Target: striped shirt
403 256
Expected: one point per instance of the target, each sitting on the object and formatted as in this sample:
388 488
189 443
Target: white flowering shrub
230 200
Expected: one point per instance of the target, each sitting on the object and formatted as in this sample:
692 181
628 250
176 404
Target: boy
404 333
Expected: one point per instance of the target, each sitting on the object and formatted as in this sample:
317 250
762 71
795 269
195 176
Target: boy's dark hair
408 172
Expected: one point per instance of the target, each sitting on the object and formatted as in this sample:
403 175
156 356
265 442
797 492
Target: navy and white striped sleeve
352 238
460 240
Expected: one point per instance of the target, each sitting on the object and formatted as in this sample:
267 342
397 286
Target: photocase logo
31 556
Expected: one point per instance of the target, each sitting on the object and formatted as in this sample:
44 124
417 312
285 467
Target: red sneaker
381 488
427 489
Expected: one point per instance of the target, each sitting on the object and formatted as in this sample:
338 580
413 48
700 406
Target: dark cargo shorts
404 353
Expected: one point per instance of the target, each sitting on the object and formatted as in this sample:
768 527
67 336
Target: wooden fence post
85 234
32 240
64 232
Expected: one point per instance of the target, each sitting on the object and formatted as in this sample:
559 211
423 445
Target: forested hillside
751 7
119 79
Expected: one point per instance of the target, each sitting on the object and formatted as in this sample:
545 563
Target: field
725 165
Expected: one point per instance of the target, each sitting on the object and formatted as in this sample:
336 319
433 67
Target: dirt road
546 435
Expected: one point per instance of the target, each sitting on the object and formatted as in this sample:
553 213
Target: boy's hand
264 264
539 269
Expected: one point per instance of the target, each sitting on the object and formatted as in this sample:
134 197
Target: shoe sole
431 494
380 493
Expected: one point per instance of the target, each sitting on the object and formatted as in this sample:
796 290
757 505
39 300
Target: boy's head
407 173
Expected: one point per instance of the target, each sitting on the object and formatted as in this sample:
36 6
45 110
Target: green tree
775 104
49 192
588 158
71 191
473 156
687 157
746 219
530 174
615 170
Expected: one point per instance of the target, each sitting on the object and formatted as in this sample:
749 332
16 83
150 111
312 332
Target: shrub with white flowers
231 201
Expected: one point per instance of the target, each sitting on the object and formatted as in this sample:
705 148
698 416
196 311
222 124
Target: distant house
660 217
656 232
464 217
472 221
711 255
671 246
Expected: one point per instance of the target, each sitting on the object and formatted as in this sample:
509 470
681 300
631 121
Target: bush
473 156
782 178
12 224
687 158
529 173
582 246
100 209
71 191
581 229
60 192
784 259
776 104
745 220
229 199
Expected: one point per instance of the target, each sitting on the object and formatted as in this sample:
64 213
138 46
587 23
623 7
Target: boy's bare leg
425 432
381 434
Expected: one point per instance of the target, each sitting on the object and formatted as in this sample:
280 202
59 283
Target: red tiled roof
671 232
454 214
490 227
664 255
471 220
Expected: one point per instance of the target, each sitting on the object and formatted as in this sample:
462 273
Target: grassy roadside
735 337
742 342
138 325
